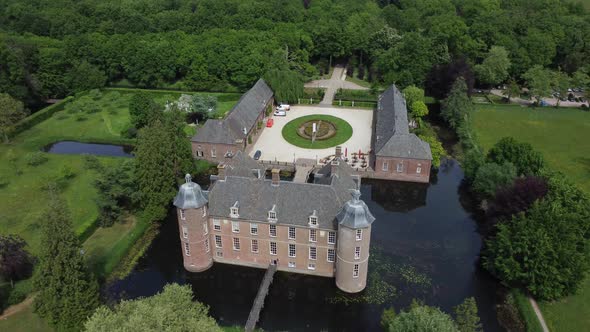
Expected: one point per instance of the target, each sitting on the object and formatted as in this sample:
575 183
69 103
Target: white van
279 112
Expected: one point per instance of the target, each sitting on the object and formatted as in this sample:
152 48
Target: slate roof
190 195
355 214
242 165
293 202
242 115
392 135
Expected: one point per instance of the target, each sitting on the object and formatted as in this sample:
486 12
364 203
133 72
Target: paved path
303 167
336 81
259 301
539 314
549 101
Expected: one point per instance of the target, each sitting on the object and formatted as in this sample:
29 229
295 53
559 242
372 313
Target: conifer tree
456 108
180 150
67 292
466 316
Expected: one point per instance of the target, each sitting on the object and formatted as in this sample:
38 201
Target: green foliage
456 108
180 151
539 81
526 160
472 161
413 94
466 316
419 109
494 68
387 317
203 105
512 90
286 84
171 310
91 162
11 111
343 132
143 110
35 158
436 148
85 76
117 190
491 177
66 292
420 318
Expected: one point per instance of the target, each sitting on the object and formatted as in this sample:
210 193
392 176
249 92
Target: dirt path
539 314
336 81
15 309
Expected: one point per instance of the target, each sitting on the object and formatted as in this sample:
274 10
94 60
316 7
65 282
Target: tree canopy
527 160
420 318
11 111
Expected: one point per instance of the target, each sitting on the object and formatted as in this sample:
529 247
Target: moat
425 230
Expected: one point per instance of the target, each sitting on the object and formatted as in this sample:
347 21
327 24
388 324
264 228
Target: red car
269 123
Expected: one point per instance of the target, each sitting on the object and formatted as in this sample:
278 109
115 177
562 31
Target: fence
353 103
308 101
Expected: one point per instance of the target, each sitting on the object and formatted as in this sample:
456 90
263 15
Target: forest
51 49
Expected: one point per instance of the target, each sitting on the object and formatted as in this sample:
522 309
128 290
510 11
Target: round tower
191 203
354 240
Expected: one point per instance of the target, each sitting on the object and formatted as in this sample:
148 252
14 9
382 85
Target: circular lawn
333 131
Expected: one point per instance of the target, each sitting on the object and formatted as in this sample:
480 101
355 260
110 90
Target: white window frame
293 249
293 231
270 230
185 232
207 245
218 244
292 264
270 248
313 221
311 266
254 246
236 243
182 214
313 253
200 153
357 252
272 215
253 229
205 228
400 167
234 212
217 225
213 153
314 237
419 169
331 237
187 249
385 166
219 254
235 226
333 255
355 271
204 210
358 235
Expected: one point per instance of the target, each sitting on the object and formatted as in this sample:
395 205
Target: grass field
563 136
25 321
343 132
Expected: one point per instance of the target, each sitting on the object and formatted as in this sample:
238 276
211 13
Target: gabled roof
242 165
392 134
215 131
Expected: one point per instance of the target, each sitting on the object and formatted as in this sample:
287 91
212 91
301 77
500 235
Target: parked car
269 123
283 106
257 154
280 113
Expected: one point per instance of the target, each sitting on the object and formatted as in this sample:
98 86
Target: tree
15 262
203 106
545 250
473 160
522 155
143 110
466 316
491 177
181 152
286 84
85 76
419 109
11 111
560 83
117 190
518 197
173 309
67 292
387 318
413 94
436 148
494 68
512 90
539 82
456 108
420 318
155 169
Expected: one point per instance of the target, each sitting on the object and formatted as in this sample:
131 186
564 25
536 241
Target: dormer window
234 210
272 214
313 219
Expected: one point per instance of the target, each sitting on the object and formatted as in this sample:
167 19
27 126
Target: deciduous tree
522 155
494 68
539 82
15 261
420 318
456 108
491 177
11 111
466 316
143 110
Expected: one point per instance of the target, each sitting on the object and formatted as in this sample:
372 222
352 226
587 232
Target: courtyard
274 147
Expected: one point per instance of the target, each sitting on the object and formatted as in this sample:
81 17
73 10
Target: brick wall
219 149
412 170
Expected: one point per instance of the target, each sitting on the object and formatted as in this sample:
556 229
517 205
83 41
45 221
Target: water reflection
72 147
427 229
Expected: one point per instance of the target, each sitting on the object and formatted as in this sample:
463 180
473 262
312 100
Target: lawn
343 132
25 321
563 136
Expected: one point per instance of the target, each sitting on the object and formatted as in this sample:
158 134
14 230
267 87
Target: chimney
276 176
338 152
221 172
334 168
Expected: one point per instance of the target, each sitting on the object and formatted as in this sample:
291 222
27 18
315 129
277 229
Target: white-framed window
216 225
235 227
291 233
219 254
254 245
291 250
204 210
419 169
400 167
253 229
272 216
331 255
292 264
331 237
218 243
205 228
311 266
313 235
236 241
313 253
199 153
313 220
234 212
187 249
359 234
185 232
273 248
182 215
385 166
213 153
357 253
355 271
207 246
272 230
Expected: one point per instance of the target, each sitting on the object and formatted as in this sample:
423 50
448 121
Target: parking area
275 148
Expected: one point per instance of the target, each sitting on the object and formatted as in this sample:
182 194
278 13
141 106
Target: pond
424 228
97 149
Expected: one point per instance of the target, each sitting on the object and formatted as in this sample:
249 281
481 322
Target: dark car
257 154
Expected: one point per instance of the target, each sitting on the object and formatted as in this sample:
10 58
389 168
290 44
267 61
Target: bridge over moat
260 296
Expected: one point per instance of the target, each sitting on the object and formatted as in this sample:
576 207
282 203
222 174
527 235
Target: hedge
36 118
221 96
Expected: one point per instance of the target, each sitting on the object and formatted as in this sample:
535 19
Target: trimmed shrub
38 117
35 158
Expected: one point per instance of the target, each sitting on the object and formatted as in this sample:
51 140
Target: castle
321 228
